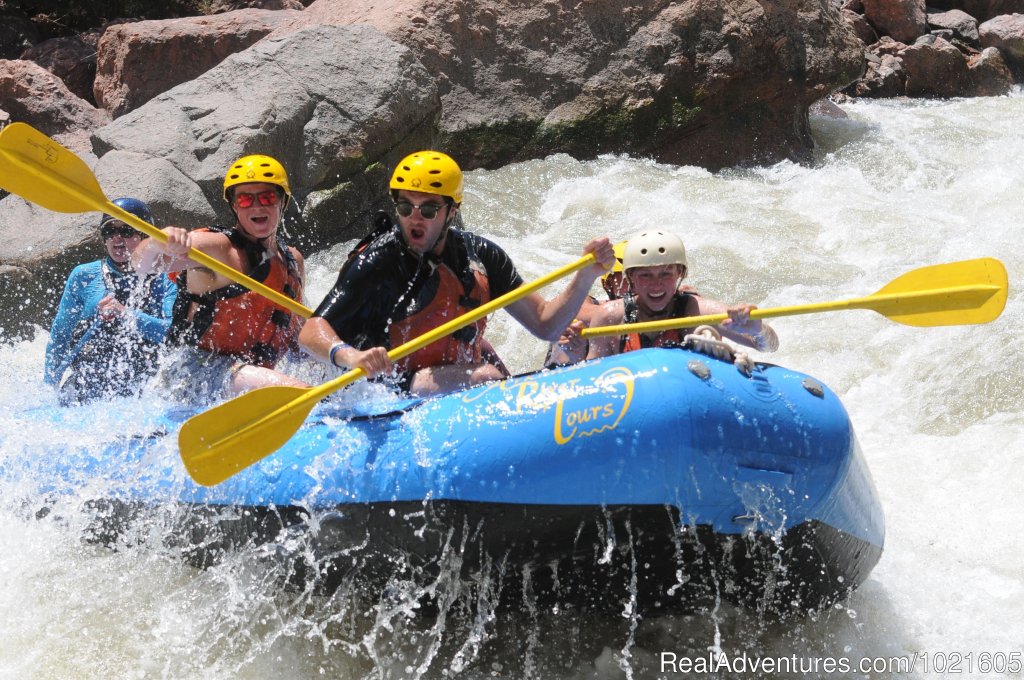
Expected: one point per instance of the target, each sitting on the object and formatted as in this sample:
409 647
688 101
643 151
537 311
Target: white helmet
654 247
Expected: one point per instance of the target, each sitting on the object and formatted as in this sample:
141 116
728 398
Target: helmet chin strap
448 218
429 252
667 310
262 241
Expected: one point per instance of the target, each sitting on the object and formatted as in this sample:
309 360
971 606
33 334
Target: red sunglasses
266 198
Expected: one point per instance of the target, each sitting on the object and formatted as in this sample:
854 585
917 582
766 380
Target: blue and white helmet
131 205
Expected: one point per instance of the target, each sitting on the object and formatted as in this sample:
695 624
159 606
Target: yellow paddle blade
954 294
42 171
228 438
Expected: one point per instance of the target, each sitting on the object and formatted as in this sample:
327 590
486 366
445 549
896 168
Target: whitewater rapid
939 413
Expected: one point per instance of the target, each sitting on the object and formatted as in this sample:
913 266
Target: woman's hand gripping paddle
42 171
954 294
229 438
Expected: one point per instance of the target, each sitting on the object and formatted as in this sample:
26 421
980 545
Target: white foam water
939 412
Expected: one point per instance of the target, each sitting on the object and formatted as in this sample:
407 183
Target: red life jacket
670 338
236 321
451 300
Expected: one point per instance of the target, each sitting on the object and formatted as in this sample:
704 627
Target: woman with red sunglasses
230 338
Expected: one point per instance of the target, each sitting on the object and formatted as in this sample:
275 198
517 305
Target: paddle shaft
875 302
315 394
97 201
211 263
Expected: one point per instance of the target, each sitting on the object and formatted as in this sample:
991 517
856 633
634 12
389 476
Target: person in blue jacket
110 322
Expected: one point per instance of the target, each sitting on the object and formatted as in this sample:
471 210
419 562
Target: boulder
904 20
990 76
139 60
338 106
1007 34
706 82
33 95
962 25
935 68
72 59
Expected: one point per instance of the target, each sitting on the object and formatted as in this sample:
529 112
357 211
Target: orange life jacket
451 300
236 321
670 338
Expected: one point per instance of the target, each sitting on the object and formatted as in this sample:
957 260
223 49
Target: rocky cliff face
342 88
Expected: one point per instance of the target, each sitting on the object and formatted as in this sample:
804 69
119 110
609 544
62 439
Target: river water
939 413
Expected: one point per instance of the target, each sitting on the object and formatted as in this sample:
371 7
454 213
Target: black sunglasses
427 210
110 231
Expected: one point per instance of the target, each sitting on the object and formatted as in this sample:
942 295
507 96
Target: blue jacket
84 343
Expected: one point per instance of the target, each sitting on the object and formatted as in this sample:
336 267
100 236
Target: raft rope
707 340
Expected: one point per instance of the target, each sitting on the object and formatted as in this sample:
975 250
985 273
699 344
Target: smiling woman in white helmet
655 264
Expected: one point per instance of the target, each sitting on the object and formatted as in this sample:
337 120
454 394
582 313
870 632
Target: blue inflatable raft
663 477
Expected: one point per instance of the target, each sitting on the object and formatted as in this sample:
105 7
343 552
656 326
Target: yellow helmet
256 168
654 247
430 172
620 250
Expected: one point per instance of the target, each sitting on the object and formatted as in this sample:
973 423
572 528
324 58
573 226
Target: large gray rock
173 197
139 60
709 82
336 105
